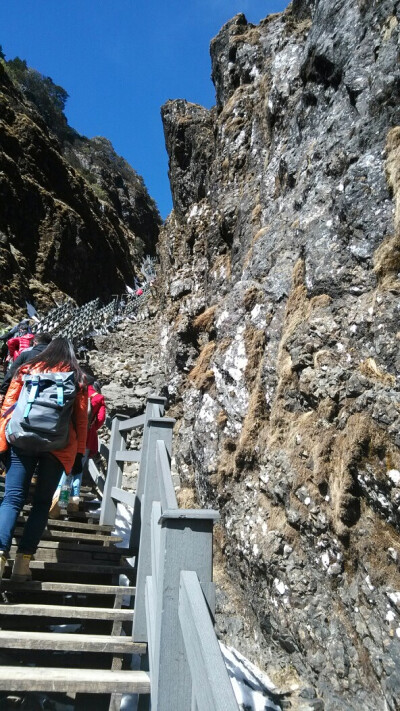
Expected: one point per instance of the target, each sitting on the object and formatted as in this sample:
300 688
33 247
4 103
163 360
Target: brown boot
55 511
21 572
3 561
73 504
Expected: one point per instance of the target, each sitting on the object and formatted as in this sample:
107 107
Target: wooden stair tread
95 568
81 547
93 681
78 525
81 515
104 556
66 611
65 642
65 587
58 534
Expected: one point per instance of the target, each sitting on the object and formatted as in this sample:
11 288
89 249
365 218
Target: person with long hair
20 465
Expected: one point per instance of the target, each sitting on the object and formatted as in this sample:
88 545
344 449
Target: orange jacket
77 426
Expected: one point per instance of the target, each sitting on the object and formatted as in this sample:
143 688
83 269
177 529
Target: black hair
88 374
42 338
60 352
96 385
88 370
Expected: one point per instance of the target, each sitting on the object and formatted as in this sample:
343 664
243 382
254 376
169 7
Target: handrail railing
212 688
167 489
174 590
82 322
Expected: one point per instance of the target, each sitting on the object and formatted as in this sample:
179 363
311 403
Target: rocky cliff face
75 219
280 303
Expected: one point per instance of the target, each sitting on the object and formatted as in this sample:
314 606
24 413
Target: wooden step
59 535
74 544
73 525
67 611
84 495
92 681
64 642
78 588
94 568
62 555
79 526
85 546
80 516
88 500
87 509
99 554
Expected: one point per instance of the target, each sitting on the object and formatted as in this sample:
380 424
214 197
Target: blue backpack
42 413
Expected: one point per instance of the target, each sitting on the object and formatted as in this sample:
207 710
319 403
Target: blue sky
120 60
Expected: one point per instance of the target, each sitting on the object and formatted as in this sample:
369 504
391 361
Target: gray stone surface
280 284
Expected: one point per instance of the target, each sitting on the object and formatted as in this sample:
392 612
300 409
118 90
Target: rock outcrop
75 218
127 363
280 267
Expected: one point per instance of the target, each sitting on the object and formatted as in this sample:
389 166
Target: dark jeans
20 467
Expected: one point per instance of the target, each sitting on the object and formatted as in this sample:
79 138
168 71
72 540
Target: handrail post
115 472
185 544
136 516
159 428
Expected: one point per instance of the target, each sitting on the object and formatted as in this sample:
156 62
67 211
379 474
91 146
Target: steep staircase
76 573
73 631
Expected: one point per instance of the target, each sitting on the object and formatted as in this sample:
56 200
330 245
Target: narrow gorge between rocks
272 328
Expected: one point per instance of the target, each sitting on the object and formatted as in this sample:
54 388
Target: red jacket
17 345
77 426
97 419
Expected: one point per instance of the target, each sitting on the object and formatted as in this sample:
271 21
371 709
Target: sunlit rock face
280 265
75 218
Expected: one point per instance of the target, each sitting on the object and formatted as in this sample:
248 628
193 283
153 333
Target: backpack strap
32 395
60 391
9 410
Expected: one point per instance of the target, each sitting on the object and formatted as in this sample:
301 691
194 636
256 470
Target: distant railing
82 322
175 596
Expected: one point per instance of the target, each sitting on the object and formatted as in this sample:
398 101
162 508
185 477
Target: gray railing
174 601
79 323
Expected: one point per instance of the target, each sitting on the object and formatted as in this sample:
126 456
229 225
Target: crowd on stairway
51 410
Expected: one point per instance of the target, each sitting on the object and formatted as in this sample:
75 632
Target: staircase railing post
115 472
185 544
159 428
136 516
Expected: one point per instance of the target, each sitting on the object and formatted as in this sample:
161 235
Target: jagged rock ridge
281 282
75 218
